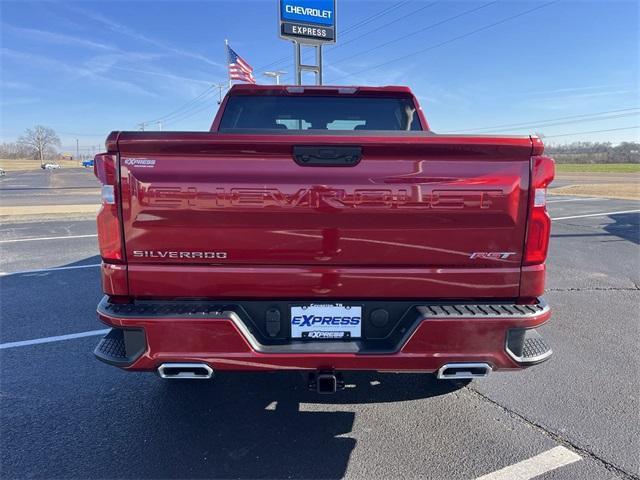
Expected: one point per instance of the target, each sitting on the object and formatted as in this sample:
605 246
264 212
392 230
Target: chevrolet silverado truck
322 229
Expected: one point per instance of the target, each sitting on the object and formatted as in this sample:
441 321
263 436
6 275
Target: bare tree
594 152
13 150
39 140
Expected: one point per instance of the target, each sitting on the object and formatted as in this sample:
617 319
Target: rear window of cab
297 113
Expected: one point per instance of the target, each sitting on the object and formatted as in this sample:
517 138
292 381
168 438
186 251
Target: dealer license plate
326 321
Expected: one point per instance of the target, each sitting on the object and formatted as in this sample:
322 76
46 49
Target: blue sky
86 68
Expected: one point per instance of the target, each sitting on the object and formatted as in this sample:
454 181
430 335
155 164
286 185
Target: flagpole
226 52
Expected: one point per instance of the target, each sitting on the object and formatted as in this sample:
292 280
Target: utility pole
275 74
160 125
77 151
221 87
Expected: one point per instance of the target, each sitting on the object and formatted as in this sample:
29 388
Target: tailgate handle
308 156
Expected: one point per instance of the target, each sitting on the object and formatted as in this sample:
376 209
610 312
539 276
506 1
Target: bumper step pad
112 345
121 347
527 346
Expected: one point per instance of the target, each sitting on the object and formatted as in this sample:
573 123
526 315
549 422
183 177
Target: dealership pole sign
311 23
308 21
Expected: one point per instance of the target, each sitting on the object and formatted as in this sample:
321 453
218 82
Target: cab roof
250 89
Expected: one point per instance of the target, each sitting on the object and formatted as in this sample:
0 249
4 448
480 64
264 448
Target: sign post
309 23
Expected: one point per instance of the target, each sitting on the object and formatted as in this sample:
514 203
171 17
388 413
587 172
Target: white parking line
583 199
2 274
33 239
55 269
604 214
57 338
545 462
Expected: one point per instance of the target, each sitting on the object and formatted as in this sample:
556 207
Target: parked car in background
2 172
50 166
87 163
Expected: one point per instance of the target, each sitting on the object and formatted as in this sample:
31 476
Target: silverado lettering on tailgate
176 254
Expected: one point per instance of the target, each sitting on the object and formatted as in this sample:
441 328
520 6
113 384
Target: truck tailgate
415 211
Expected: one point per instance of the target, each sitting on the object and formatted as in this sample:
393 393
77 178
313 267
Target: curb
48 209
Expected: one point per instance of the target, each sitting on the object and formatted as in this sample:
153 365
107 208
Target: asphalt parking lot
66 415
37 187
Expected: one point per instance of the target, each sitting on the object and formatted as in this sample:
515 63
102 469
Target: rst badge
491 255
326 321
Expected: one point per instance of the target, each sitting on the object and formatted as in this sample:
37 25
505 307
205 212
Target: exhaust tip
185 371
453 371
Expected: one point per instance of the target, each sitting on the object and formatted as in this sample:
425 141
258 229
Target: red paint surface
220 344
320 281
415 205
114 279
403 223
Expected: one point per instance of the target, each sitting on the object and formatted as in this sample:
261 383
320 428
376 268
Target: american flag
239 69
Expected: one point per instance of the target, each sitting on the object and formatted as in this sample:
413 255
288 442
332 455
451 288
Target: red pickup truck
322 229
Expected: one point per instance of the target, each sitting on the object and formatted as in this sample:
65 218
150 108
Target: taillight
539 222
109 237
